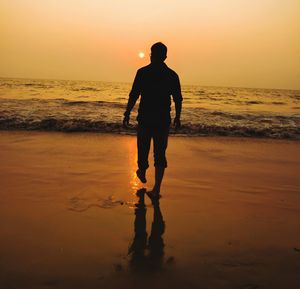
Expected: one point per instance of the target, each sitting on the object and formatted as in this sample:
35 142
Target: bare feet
141 175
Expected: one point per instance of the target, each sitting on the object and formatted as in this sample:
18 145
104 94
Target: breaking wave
188 129
85 106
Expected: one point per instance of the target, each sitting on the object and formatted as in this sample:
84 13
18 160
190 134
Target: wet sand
70 217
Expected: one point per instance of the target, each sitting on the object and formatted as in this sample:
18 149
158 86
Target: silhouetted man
155 83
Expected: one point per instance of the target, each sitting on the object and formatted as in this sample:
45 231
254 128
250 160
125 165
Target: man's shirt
156 83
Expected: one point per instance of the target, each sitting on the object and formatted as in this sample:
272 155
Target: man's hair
159 51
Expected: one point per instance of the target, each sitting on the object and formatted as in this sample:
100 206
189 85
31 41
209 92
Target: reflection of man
140 261
155 83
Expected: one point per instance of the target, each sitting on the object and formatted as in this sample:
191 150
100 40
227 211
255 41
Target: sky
210 42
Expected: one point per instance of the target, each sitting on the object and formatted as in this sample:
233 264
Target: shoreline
176 135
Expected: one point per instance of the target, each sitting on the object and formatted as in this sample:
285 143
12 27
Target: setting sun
141 55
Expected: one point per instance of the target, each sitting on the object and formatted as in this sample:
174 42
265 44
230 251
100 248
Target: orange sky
211 42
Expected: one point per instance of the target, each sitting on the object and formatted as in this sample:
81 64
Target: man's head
158 52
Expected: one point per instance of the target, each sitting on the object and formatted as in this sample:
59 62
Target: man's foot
153 195
141 175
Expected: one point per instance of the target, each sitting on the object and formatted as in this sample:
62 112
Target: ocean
95 106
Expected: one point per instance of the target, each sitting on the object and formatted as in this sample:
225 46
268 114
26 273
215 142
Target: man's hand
177 123
126 121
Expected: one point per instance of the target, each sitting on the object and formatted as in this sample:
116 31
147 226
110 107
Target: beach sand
228 216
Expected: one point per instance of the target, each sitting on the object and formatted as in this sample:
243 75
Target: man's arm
133 97
178 106
177 97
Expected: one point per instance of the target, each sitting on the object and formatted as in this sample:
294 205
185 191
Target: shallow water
63 105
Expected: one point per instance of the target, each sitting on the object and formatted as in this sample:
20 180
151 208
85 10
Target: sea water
65 105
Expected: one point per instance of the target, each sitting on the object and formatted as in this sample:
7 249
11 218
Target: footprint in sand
80 204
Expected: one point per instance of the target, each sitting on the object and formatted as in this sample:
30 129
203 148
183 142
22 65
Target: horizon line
129 82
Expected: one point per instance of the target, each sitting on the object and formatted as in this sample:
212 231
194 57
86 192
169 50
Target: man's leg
143 144
160 143
159 174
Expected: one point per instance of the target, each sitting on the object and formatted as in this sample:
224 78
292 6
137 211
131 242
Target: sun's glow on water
133 179
141 55
132 166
